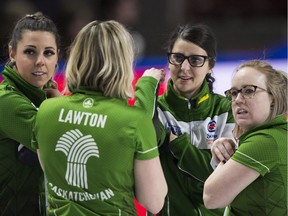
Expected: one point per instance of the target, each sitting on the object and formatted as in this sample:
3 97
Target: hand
53 93
222 149
172 137
158 74
51 89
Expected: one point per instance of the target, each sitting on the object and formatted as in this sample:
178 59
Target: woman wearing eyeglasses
191 118
254 180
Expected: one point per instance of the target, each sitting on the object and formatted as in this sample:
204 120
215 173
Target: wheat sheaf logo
78 149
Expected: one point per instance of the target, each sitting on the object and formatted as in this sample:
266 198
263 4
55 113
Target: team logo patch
88 103
211 127
78 148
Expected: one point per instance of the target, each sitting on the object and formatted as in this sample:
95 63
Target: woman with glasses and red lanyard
190 117
254 180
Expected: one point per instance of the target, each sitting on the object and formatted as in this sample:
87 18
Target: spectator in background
10 13
126 12
72 17
254 180
191 118
97 162
33 55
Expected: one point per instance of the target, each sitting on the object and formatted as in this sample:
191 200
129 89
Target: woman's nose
40 60
239 97
185 64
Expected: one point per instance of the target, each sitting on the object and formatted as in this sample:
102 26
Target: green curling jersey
186 160
88 144
264 149
19 183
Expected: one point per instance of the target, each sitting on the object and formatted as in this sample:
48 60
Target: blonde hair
101 59
276 85
276 82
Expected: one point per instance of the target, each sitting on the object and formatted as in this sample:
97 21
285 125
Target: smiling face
36 56
251 112
187 80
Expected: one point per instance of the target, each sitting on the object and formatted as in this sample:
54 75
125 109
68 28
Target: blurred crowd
238 25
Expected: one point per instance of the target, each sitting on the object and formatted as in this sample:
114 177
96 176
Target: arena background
246 29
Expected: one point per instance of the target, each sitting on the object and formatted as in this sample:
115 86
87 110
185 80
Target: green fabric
186 160
12 79
264 149
19 183
118 134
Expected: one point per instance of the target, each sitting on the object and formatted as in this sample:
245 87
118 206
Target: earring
11 64
56 68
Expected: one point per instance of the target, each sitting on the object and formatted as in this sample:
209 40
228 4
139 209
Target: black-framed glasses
194 60
247 92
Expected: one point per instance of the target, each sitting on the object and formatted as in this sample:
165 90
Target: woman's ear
11 53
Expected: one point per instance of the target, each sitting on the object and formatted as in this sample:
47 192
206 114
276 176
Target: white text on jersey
84 118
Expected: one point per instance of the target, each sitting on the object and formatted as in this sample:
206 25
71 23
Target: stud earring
56 68
12 64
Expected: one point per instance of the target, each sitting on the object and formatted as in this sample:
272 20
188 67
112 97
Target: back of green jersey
88 144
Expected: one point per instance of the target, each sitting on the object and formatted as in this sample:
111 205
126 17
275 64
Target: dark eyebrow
50 48
32 46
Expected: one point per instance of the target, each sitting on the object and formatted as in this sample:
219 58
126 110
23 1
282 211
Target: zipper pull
189 104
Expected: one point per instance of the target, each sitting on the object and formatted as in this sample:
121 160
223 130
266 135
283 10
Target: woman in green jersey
97 152
254 180
191 115
33 55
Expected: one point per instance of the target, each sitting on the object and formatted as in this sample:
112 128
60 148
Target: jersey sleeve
17 118
146 99
189 157
145 139
146 95
258 152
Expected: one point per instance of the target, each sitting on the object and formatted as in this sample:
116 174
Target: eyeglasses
194 60
247 92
